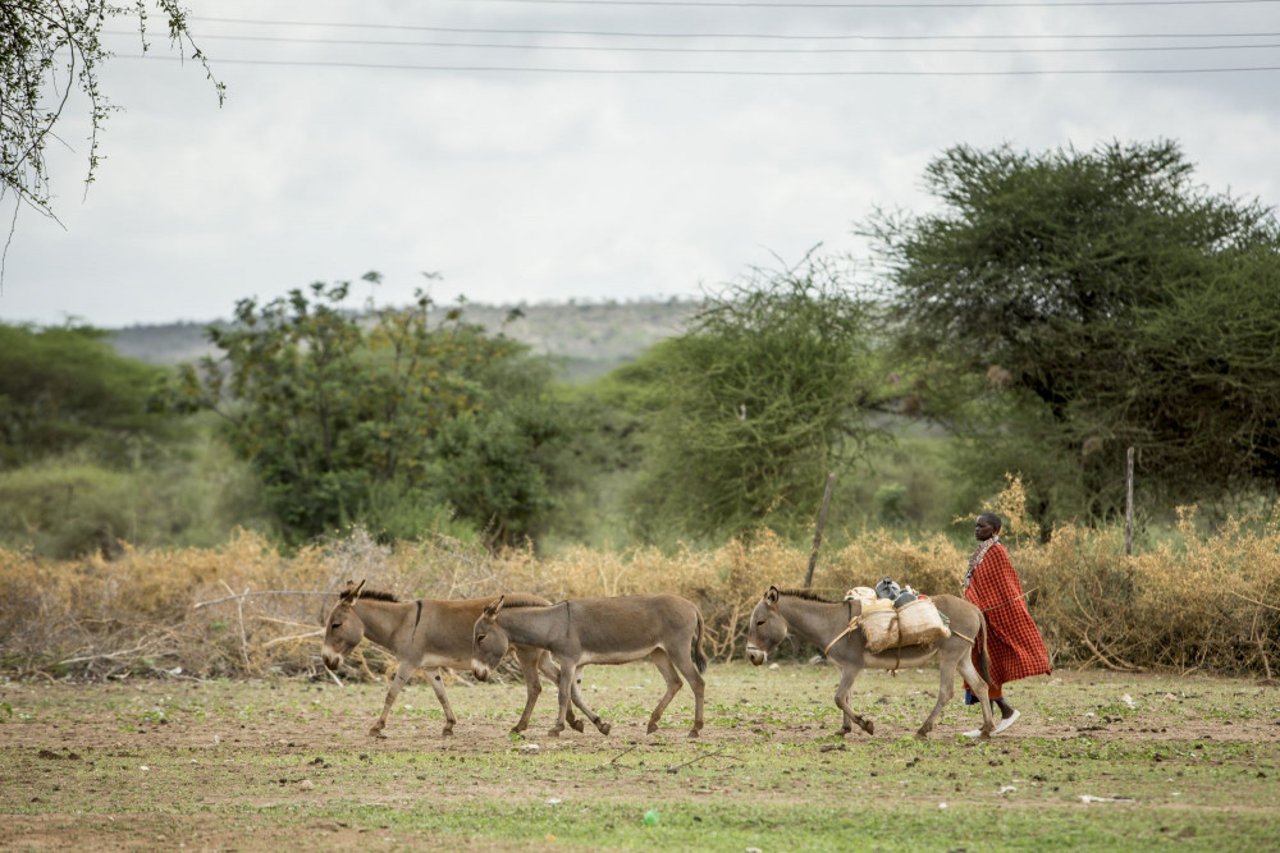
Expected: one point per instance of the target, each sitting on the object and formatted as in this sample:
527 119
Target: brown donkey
824 624
666 629
427 633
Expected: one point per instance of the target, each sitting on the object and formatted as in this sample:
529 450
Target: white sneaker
973 733
1008 721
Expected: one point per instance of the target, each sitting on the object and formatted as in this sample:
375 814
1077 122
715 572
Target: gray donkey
427 633
666 629
827 625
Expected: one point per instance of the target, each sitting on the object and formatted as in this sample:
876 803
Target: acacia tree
1070 304
766 392
49 50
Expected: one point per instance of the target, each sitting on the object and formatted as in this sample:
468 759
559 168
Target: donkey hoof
868 727
604 727
555 732
447 732
693 732
578 725
651 728
376 731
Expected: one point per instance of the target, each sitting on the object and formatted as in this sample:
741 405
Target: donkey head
344 628
767 627
489 640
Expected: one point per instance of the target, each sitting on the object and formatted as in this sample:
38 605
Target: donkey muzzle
757 655
332 660
479 670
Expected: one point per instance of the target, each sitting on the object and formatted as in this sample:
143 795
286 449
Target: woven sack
920 623
860 593
879 624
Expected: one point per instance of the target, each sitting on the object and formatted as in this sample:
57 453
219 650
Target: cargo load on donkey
893 617
834 627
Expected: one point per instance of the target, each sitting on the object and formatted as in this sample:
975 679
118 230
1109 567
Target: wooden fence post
817 531
1128 503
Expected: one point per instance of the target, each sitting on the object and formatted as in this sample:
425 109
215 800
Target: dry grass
1194 602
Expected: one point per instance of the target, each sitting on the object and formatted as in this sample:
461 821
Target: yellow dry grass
1196 601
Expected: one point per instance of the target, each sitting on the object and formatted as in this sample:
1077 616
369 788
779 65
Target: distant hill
589 338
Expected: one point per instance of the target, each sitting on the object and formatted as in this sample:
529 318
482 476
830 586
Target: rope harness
856 622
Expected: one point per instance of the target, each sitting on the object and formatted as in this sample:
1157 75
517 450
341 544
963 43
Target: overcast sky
602 175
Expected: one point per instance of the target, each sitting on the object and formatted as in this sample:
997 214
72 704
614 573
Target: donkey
666 629
426 633
827 625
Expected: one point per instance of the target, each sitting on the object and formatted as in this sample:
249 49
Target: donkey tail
699 659
983 660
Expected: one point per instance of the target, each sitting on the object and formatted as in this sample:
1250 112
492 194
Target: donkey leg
565 685
979 687
578 700
529 660
948 660
684 663
847 675
552 672
403 672
437 684
663 662
595 718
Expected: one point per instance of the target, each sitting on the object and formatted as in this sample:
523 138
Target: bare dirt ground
145 764
297 714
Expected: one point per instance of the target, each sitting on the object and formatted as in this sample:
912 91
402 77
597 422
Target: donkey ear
491 610
772 595
356 592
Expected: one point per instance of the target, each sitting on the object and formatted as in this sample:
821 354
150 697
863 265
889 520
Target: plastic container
888 588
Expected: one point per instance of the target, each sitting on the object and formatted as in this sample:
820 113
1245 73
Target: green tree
395 421
64 388
1066 305
193 492
88 461
767 391
49 50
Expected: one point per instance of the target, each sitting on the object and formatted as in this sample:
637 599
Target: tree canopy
49 51
64 388
394 421
766 392
1070 304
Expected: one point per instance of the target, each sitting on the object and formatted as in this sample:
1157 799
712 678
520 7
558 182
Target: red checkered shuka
1014 645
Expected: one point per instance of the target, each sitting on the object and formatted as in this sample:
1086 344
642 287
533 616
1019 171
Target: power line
766 36
727 50
709 72
959 4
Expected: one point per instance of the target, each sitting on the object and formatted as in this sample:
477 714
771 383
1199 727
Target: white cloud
555 186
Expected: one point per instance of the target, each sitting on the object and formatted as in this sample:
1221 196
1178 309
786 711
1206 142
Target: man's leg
1007 714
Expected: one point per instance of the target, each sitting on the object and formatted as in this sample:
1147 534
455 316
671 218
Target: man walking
1014 645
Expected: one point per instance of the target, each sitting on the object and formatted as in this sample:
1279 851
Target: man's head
987 525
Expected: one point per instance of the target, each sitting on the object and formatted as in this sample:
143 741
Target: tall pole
817 531
1128 503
